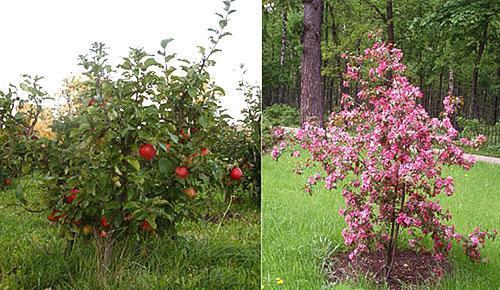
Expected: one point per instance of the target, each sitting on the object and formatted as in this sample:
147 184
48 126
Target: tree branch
376 9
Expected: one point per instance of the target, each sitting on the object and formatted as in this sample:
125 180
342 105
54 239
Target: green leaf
132 161
166 166
173 137
192 91
165 42
169 57
202 120
152 222
117 170
150 62
131 205
112 205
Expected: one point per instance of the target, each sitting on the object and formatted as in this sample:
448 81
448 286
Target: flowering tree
387 154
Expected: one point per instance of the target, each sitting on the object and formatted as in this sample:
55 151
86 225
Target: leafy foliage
134 146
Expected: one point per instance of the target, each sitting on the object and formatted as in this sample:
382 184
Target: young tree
388 156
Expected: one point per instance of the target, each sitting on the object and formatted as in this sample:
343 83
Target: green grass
32 256
484 151
299 230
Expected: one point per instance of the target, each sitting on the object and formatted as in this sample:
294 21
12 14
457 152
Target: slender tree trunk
495 110
104 250
338 60
451 82
311 95
495 105
440 93
284 36
391 249
430 100
451 92
284 44
390 22
473 110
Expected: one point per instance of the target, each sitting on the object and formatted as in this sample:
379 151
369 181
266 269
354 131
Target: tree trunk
325 63
390 22
338 61
495 105
284 37
451 89
475 72
391 248
439 101
104 250
451 81
311 97
284 43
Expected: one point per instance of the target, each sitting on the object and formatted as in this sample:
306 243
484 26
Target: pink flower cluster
476 241
387 154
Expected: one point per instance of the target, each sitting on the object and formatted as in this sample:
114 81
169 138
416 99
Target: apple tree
133 158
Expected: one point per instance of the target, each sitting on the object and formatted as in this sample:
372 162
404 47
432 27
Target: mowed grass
299 230
204 256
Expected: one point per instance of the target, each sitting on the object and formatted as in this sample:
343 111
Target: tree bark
451 89
495 105
311 95
284 36
338 60
389 22
284 43
439 101
475 72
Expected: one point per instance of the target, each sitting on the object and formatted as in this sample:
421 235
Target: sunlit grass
299 230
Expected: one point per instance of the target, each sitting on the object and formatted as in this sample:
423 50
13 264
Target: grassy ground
485 152
298 230
32 256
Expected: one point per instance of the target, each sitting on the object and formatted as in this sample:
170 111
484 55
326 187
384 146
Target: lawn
203 256
299 230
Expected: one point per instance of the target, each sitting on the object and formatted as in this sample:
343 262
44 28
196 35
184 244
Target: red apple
54 217
204 151
145 226
236 173
190 192
184 134
70 198
7 182
103 234
147 151
104 222
87 229
181 172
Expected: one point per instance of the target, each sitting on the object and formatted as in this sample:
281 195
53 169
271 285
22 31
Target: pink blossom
391 149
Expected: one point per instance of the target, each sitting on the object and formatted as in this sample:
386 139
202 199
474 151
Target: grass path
298 229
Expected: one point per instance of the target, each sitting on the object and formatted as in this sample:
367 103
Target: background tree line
448 45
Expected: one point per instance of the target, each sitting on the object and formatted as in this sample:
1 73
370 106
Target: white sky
46 37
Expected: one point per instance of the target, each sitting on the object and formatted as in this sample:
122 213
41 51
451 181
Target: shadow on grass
152 263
